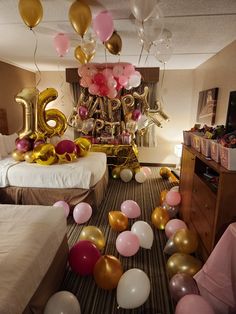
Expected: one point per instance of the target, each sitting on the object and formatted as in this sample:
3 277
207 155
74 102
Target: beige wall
219 71
12 81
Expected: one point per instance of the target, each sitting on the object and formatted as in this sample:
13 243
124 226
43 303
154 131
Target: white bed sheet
83 173
29 239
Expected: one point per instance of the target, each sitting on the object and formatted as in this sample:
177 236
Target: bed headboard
3 121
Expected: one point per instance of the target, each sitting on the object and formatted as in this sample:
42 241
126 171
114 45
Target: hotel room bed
33 256
29 183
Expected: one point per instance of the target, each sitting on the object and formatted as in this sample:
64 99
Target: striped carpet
94 300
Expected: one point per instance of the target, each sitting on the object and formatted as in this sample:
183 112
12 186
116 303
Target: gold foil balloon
17 155
114 44
115 173
59 119
160 217
107 272
93 234
31 12
84 145
165 172
163 196
45 154
80 16
80 55
183 263
118 220
28 99
29 156
186 241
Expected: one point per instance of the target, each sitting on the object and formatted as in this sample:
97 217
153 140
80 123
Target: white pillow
10 142
3 150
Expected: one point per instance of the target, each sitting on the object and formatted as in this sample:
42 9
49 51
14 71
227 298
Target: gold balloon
80 16
114 44
107 272
29 156
160 217
31 12
84 145
28 99
93 234
165 172
163 196
45 154
186 241
118 220
17 155
183 263
80 55
60 121
115 173
143 99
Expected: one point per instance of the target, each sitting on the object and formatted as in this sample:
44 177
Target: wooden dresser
208 194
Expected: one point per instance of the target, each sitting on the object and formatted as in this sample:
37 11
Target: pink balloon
103 25
118 71
61 43
83 112
127 243
64 205
107 73
93 89
99 79
147 171
103 90
173 198
82 212
173 225
194 304
129 70
83 257
123 80
112 93
131 209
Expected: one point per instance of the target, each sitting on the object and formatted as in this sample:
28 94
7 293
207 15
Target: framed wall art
207 102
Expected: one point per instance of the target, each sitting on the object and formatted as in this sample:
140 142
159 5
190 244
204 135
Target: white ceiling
200 29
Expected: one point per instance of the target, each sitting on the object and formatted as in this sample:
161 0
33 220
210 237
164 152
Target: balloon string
141 53
105 55
147 56
61 82
35 51
162 81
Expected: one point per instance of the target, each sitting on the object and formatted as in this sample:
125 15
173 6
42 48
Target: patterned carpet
94 300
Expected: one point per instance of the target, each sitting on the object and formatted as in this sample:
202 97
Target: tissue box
196 142
187 137
215 150
228 157
205 146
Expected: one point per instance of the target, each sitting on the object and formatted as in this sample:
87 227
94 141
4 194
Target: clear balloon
193 304
82 212
83 257
93 234
64 205
127 243
133 289
181 285
144 232
142 10
126 175
62 302
131 209
107 272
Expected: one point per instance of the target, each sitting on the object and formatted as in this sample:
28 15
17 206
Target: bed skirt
45 196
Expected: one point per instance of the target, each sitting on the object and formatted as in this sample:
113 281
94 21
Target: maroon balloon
83 257
136 115
182 284
99 79
38 142
65 146
23 145
83 112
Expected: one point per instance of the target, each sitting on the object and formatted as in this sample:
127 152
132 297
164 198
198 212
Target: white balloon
141 9
133 289
62 302
175 188
126 175
144 232
140 177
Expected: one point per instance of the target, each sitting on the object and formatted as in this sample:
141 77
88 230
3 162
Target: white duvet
84 173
